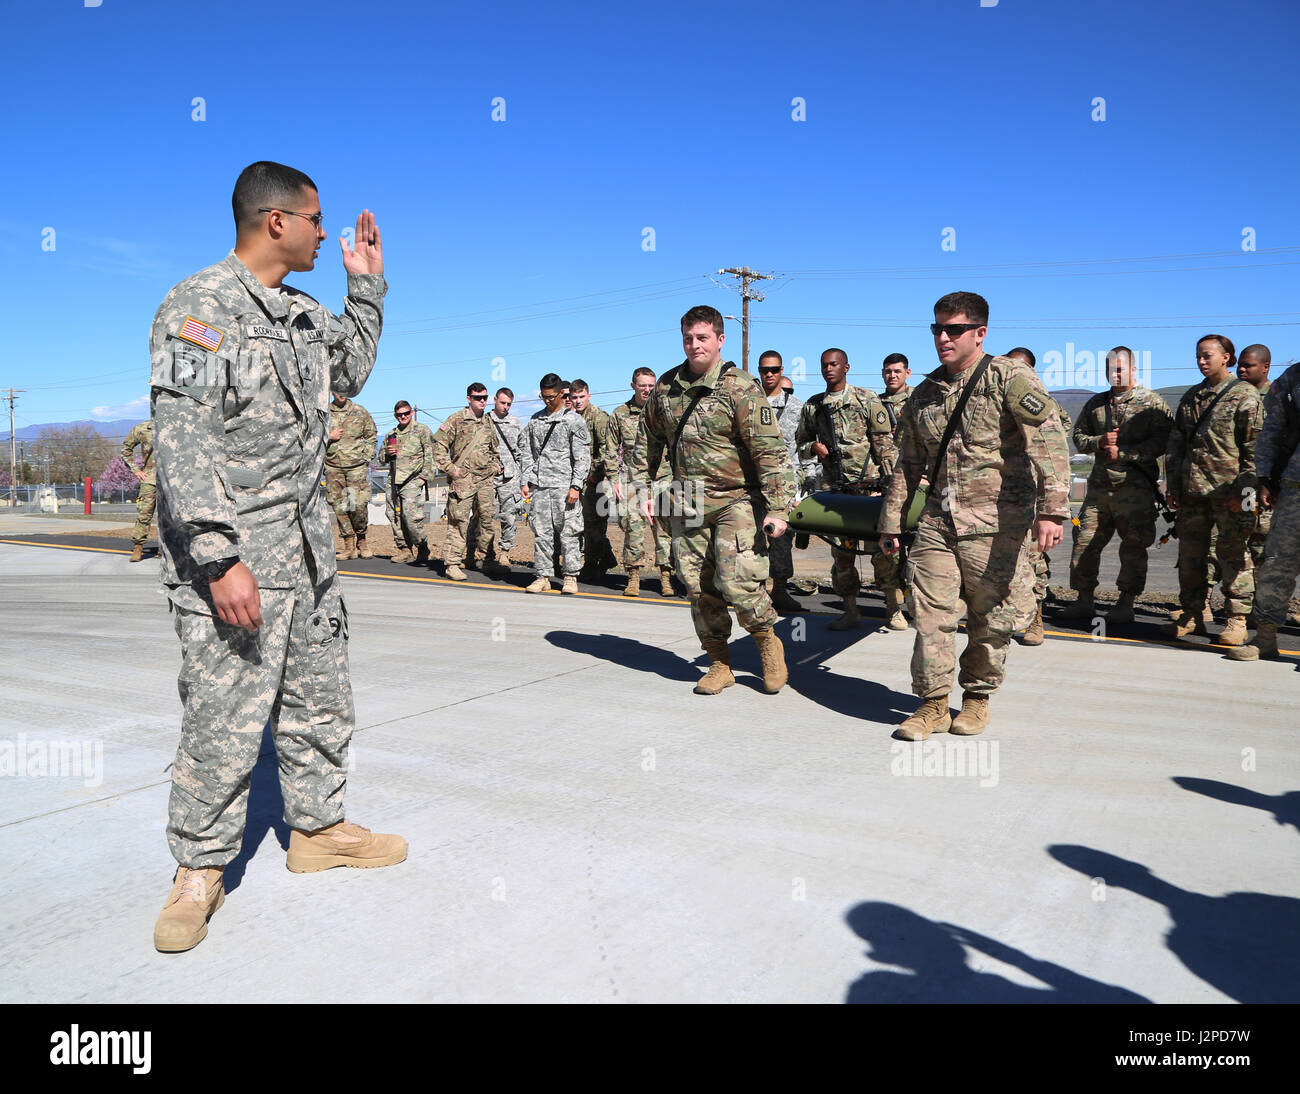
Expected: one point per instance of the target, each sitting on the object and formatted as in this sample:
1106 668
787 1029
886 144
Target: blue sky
520 242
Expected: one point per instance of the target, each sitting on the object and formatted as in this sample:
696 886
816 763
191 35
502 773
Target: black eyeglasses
479 398
953 330
770 368
317 219
403 413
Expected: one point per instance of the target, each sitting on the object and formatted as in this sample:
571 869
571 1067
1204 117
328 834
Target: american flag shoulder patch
201 334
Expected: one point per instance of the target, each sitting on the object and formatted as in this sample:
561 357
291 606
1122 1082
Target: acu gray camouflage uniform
347 462
509 499
241 380
554 456
787 409
1277 462
145 500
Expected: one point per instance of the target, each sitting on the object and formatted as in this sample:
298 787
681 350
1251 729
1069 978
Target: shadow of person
1284 807
935 954
1244 944
629 653
265 811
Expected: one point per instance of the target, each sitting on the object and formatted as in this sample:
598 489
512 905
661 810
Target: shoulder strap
1213 403
1109 419
893 417
690 408
549 430
955 419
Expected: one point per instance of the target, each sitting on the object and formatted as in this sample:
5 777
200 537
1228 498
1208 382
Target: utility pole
746 275
13 494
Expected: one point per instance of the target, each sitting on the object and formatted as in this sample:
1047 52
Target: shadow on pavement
1284 807
265 811
629 653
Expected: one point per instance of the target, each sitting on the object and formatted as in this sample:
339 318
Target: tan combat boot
973 717
539 585
1264 648
1185 623
503 562
932 716
137 552
782 601
851 619
195 896
342 844
896 620
1122 612
349 549
633 581
1234 631
401 555
362 550
455 573
772 655
719 674
666 581
570 585
1034 632
1083 608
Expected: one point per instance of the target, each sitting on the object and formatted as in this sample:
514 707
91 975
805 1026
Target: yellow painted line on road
65 547
677 602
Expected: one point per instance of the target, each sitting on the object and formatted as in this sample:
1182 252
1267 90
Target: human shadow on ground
934 955
1244 944
1284 807
265 811
629 653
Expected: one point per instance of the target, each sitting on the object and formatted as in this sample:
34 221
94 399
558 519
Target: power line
745 275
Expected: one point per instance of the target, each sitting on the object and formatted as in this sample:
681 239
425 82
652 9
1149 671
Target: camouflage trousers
1257 538
466 501
1275 581
509 502
144 507
348 491
886 570
1130 510
292 673
1197 519
946 569
557 528
596 505
411 532
634 524
723 561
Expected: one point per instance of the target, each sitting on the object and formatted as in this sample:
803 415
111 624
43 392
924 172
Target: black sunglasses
953 330
770 368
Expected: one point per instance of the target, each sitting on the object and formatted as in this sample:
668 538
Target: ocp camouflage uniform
554 457
1205 467
624 425
731 472
1277 462
866 444
787 409
411 472
1263 518
347 461
595 511
885 568
509 499
465 450
1121 493
242 375
146 499
1007 462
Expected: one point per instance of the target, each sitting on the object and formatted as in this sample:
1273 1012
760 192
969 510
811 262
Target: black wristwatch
215 571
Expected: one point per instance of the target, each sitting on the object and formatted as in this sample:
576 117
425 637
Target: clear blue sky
522 239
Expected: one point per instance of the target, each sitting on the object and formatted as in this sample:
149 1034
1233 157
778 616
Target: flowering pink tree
117 476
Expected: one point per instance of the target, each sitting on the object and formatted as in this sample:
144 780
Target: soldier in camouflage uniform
554 459
848 429
141 435
408 451
597 554
1252 366
1210 471
347 461
624 425
1126 430
242 370
732 477
1277 463
787 407
895 372
510 502
1005 472
465 450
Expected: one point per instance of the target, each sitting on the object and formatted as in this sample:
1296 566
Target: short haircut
550 382
578 385
770 353
475 387
969 304
1027 354
399 404
1117 351
1224 341
835 349
896 359
265 185
643 371
790 389
1259 350
703 313
505 391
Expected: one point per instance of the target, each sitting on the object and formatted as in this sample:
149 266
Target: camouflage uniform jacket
357 445
242 376
141 435
730 446
1008 456
894 404
565 458
624 425
507 430
467 444
787 409
862 428
598 429
414 452
1277 453
1143 420
1220 459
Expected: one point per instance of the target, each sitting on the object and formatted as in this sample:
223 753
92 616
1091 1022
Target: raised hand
367 256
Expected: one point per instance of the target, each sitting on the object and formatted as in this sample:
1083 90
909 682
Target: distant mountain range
115 430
